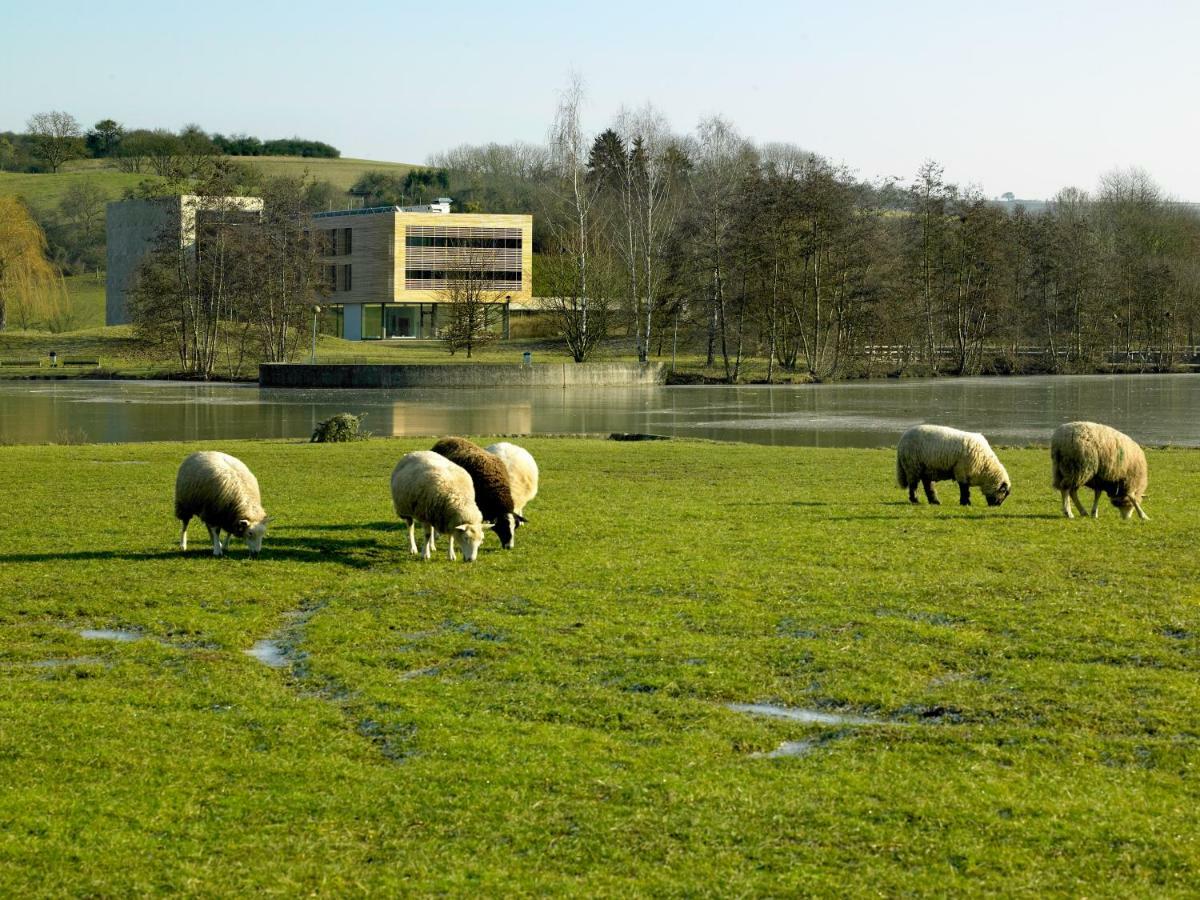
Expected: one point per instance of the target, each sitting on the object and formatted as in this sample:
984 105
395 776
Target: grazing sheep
929 453
492 490
432 490
522 473
1085 454
220 491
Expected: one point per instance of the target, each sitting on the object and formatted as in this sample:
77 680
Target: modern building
389 269
132 227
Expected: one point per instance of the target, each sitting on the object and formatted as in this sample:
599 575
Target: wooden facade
375 247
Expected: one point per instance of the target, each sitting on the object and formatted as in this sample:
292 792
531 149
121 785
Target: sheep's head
253 533
506 528
1122 501
999 495
469 536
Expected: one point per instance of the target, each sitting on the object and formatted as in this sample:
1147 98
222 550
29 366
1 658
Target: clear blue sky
1011 96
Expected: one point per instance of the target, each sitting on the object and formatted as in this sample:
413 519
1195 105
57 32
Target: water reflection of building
424 417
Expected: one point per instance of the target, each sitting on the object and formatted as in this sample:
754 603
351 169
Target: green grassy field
86 294
556 719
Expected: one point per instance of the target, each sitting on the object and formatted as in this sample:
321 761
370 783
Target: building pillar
352 321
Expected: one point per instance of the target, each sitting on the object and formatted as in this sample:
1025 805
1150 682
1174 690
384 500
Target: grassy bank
555 719
122 355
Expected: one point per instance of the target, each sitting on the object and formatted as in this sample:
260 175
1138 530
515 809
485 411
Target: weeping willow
32 291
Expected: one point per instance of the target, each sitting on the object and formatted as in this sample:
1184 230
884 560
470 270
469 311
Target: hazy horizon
1023 99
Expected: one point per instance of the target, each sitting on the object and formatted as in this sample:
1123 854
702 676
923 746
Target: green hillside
341 173
44 191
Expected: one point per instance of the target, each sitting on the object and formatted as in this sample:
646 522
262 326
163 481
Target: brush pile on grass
339 429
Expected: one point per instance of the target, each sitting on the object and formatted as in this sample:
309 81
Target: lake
1154 409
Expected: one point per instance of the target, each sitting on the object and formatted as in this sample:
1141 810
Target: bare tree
56 136
640 164
572 198
472 305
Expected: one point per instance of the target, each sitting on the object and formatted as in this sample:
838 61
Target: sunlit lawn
554 719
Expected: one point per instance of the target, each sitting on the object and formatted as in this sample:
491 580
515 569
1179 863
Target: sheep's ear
487 525
267 520
519 518
462 527
243 525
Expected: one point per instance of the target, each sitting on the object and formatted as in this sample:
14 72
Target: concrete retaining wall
363 375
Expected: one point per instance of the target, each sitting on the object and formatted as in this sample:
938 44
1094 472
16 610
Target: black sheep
488 473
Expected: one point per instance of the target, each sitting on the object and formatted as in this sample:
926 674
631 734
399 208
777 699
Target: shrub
339 429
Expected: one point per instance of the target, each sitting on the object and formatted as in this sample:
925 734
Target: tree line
708 243
55 137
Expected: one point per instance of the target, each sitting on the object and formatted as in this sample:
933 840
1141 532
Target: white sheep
219 490
1086 454
522 473
430 489
929 453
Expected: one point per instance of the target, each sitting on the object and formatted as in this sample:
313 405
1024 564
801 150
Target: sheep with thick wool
492 490
219 490
1087 454
432 490
931 453
522 473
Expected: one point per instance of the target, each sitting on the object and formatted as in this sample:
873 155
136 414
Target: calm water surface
1154 409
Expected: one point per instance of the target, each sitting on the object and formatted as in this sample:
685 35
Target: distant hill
44 191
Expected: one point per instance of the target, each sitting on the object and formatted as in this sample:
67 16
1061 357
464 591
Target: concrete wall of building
131 227
347 375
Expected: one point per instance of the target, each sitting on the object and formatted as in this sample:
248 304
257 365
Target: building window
346 277
372 321
347 242
331 242
331 278
437 255
332 321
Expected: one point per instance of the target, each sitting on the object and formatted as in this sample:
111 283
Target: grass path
556 719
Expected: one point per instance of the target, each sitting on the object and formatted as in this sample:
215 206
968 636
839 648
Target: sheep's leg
930 492
1078 504
1066 503
1141 512
215 534
912 493
451 542
412 536
1096 505
183 536
433 539
428 542
964 494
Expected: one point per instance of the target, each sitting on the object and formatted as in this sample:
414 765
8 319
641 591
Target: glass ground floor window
400 320
332 321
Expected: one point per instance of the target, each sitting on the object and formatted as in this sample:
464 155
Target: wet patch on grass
282 650
119 635
269 652
788 749
804 716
